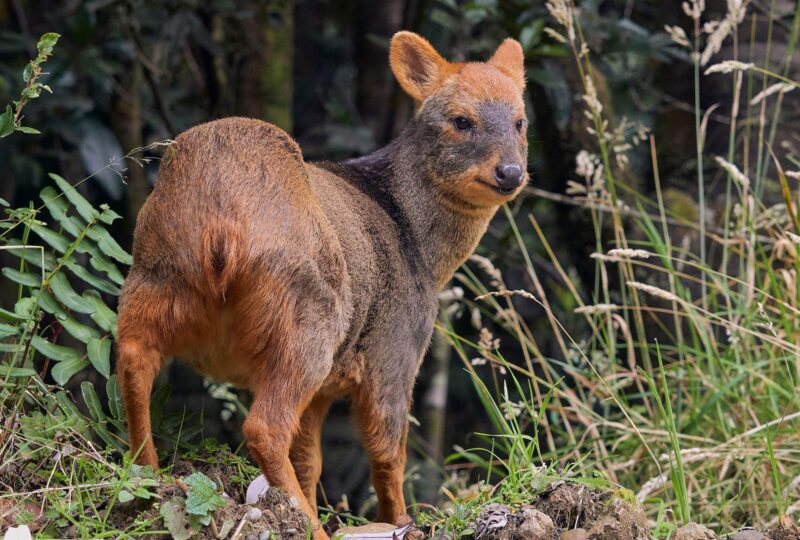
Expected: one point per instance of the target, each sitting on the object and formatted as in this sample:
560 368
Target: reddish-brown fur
307 282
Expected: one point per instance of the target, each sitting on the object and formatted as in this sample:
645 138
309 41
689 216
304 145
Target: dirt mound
572 511
275 516
568 508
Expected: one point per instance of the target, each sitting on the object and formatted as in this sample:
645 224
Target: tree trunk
376 23
126 122
265 84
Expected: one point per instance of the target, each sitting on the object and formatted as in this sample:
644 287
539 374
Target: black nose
508 176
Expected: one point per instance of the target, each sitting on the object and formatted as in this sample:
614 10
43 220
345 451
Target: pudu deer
309 282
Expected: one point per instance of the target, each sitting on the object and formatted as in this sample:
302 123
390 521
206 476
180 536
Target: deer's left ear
509 59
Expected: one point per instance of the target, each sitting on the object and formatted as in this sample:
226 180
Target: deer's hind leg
148 316
293 343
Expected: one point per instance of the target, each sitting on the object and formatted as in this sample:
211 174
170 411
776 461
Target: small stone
536 525
694 531
254 514
294 502
575 534
623 521
264 535
251 537
748 534
291 531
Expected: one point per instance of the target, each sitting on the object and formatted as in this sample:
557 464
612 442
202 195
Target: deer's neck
444 231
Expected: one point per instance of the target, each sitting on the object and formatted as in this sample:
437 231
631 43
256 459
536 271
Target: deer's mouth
498 189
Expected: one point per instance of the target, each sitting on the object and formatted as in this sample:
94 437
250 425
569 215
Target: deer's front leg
383 421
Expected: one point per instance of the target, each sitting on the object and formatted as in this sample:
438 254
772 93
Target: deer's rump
225 247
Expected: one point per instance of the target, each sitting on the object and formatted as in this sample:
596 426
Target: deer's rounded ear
417 66
510 59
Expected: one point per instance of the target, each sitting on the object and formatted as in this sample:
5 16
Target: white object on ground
256 489
18 533
373 531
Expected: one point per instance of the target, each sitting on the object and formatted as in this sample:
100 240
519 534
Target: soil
566 511
568 506
571 511
276 514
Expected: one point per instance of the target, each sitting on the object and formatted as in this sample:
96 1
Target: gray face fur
493 140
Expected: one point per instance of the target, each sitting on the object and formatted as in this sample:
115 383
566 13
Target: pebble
251 537
694 531
264 535
294 501
536 525
254 514
291 531
748 534
575 534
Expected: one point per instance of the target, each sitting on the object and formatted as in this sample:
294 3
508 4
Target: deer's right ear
417 66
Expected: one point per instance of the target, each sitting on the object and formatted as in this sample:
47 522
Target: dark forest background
127 73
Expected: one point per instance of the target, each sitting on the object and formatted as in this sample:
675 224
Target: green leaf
65 294
104 316
175 519
202 498
47 42
67 405
108 215
29 279
84 207
99 351
92 401
55 352
125 496
31 255
114 398
7 330
63 371
78 330
102 264
28 130
48 303
58 207
55 240
10 347
7 122
108 245
93 280
3 202
10 316
25 307
8 371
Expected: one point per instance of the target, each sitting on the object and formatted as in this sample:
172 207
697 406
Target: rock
294 501
370 528
256 489
575 534
494 516
693 531
254 514
251 537
536 525
623 521
748 534
291 531
264 535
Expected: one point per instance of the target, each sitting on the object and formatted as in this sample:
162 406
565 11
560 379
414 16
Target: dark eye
520 123
462 124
